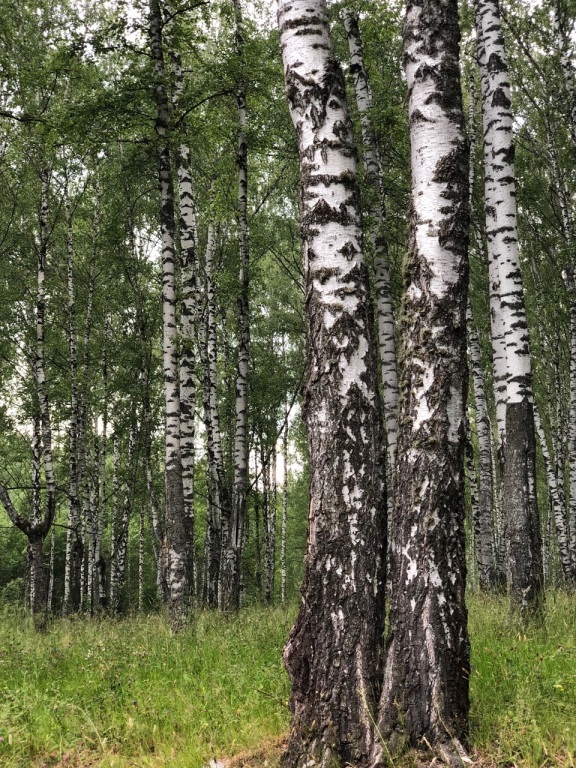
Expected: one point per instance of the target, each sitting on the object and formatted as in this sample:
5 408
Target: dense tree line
160 332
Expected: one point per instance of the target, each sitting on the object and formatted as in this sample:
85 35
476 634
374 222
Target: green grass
133 694
523 684
129 693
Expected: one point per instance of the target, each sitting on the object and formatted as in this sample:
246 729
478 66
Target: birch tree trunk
50 598
257 527
217 503
333 654
520 509
570 279
384 306
562 41
269 525
70 603
36 528
114 524
231 561
284 523
483 523
178 562
556 503
101 564
123 526
188 313
424 698
141 559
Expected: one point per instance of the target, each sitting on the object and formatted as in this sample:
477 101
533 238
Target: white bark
209 360
501 209
557 506
563 43
188 242
141 559
284 523
483 523
343 593
375 178
424 697
519 473
114 524
231 562
178 565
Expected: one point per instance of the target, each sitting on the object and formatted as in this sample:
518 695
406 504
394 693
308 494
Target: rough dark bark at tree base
522 522
39 581
333 655
424 698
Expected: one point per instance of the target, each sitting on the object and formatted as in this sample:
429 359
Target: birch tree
73 541
424 697
231 556
375 178
483 521
334 650
178 560
520 509
37 525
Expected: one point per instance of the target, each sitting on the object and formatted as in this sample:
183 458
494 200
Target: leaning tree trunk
520 508
382 282
177 540
231 556
425 689
333 655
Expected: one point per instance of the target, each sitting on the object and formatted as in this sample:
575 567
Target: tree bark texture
231 556
188 275
562 41
333 655
375 179
425 689
178 561
216 483
559 512
483 522
284 519
520 508
38 524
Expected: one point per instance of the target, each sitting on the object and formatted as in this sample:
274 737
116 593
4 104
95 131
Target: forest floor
129 694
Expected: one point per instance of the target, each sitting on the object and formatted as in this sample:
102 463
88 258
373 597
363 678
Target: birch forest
287 383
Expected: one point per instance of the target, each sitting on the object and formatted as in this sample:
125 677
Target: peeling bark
231 556
425 697
483 521
556 502
519 503
178 566
333 655
384 306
